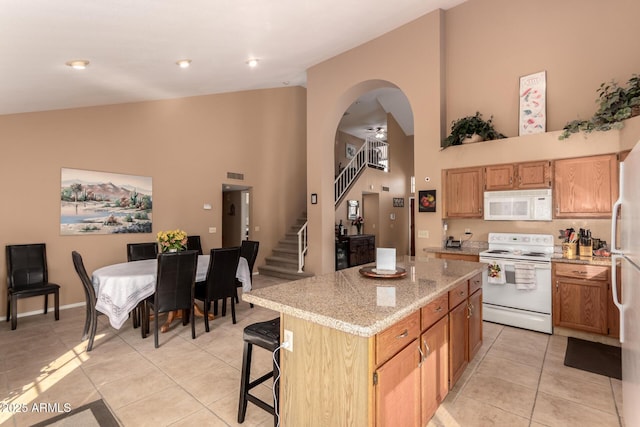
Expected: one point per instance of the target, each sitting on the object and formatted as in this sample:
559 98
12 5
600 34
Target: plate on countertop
383 274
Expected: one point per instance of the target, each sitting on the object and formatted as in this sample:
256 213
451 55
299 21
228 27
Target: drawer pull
461 293
438 310
404 334
580 272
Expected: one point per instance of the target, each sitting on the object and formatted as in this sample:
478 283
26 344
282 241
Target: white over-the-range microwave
518 205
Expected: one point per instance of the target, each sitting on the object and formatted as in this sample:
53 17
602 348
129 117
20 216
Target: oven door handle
512 263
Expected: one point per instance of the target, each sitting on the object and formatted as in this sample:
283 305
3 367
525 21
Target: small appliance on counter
453 244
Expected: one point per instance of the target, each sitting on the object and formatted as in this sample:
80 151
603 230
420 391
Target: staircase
283 261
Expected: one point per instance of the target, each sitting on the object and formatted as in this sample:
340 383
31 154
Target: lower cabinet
580 297
398 389
434 371
419 359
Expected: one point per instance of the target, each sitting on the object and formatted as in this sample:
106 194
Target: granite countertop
363 306
557 257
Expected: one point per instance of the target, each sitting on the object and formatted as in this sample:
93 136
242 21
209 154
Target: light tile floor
517 379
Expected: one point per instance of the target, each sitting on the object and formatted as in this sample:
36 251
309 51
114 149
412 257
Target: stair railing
302 246
374 153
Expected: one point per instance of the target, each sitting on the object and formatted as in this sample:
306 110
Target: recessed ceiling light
252 63
184 63
78 64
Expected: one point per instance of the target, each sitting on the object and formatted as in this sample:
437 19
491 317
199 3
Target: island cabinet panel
585 187
434 311
322 358
580 297
398 389
435 368
463 192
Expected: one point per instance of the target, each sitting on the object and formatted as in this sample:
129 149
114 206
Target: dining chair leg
14 312
94 326
207 304
87 323
233 310
156 327
193 323
8 307
46 303
56 303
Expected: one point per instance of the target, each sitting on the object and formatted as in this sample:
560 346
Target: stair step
283 273
284 262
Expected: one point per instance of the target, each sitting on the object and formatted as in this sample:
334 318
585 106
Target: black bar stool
265 335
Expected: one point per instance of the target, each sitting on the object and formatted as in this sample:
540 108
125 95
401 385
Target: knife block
586 250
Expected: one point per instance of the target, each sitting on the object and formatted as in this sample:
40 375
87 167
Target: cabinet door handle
426 347
404 334
421 357
469 311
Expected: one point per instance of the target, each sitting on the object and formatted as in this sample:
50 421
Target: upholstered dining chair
141 251
249 251
91 319
28 276
193 244
221 281
175 284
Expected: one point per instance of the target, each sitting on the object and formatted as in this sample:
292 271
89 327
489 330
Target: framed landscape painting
94 202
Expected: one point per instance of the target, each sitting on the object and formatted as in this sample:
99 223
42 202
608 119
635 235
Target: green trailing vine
616 103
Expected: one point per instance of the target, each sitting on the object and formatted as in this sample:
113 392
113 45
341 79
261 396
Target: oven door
537 299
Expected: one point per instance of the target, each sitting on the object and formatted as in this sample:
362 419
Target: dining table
120 287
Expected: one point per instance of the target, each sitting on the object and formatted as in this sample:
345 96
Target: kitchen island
348 329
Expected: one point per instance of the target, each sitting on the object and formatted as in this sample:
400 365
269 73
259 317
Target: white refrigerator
625 249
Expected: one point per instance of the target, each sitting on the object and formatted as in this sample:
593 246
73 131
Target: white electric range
516 287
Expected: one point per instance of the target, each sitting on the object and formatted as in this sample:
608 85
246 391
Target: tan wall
186 145
477 51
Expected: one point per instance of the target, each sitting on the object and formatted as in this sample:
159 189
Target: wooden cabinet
585 187
397 392
465 326
519 176
463 192
580 296
459 257
434 372
361 248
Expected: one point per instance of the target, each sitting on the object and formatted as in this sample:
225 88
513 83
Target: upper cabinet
529 175
585 187
463 196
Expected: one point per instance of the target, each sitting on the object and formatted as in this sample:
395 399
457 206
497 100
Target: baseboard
62 307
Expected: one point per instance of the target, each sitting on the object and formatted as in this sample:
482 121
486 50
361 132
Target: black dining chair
28 276
91 319
248 251
220 283
193 244
175 284
141 251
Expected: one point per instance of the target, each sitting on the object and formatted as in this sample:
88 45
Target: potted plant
616 104
471 129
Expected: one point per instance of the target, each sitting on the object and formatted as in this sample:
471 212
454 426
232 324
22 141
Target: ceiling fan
379 132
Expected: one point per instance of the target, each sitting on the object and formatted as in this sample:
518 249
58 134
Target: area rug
94 414
594 357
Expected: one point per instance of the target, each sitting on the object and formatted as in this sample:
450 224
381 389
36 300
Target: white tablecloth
120 287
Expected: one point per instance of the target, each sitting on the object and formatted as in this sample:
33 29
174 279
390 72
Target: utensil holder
569 250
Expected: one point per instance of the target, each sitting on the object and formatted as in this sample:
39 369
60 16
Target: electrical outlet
212 230
423 234
467 231
287 343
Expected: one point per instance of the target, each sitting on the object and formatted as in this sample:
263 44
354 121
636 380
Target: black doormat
594 357
92 414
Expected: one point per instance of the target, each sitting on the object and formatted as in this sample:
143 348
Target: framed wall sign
533 114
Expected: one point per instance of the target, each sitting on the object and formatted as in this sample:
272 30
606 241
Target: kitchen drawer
435 310
583 271
394 338
458 294
475 283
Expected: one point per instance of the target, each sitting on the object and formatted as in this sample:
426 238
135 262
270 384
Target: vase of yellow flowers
172 240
